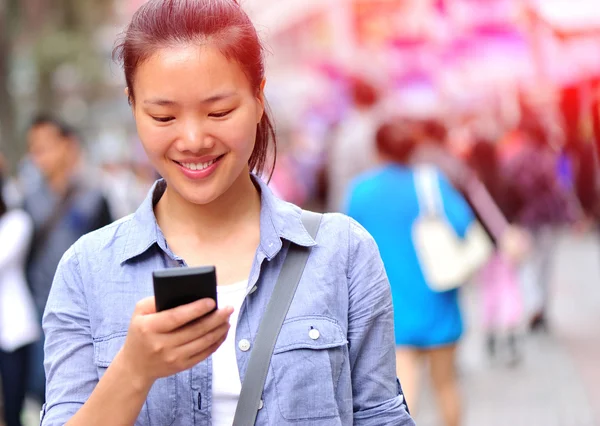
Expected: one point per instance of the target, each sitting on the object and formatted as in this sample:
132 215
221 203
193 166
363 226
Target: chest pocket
161 405
307 362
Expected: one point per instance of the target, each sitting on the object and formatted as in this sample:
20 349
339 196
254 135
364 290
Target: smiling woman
195 81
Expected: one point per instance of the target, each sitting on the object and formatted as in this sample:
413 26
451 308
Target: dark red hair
162 23
364 94
396 140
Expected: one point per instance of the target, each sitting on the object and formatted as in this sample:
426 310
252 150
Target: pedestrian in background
428 323
19 326
543 204
500 281
64 206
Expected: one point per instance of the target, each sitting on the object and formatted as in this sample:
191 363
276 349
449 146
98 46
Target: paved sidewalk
558 383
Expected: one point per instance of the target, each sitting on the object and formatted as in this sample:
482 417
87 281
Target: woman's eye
163 119
220 114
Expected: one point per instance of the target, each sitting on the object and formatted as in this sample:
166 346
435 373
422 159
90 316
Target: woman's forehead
189 69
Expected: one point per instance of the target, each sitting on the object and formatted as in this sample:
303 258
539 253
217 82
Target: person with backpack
195 78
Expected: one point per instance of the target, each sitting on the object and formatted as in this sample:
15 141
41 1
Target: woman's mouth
199 166
199 170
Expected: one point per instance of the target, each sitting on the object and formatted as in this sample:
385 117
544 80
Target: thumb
145 306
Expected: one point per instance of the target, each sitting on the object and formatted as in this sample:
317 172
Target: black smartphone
179 286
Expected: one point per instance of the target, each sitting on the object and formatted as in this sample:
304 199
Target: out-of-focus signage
379 21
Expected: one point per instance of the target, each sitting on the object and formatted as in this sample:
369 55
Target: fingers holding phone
160 344
179 327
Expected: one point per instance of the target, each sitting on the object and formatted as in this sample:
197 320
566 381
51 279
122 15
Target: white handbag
447 260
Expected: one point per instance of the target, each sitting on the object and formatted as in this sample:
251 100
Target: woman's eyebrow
218 97
209 100
159 102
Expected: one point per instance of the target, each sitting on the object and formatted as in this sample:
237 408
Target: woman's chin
199 198
206 191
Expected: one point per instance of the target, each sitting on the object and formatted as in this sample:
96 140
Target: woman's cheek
241 135
155 139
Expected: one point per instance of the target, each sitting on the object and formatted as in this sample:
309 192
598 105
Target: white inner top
226 384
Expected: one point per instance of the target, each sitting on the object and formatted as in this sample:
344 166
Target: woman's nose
195 137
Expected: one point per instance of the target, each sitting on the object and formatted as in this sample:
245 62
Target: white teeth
198 166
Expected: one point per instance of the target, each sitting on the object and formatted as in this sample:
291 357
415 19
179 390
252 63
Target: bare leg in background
442 365
408 370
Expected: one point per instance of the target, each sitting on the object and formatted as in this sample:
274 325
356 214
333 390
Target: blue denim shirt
346 376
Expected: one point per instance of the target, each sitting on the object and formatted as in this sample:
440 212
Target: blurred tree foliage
52 35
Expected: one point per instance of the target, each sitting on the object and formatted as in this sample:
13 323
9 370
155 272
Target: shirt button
244 345
314 334
253 289
261 405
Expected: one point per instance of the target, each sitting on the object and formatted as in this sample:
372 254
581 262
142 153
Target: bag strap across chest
271 323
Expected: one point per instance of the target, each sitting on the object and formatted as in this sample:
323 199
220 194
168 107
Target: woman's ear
129 101
261 100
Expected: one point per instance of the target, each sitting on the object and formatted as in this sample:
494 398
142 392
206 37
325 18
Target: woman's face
196 115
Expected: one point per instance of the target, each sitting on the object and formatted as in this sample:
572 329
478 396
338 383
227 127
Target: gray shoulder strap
270 325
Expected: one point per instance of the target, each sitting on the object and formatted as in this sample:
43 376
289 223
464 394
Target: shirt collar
143 229
279 220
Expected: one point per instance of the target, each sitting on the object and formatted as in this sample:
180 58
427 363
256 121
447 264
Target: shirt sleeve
69 355
377 397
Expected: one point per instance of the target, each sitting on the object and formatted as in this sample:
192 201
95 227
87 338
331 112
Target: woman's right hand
165 343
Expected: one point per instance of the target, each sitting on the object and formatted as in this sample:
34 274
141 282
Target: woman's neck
235 209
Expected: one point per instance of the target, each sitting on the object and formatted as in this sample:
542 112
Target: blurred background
468 73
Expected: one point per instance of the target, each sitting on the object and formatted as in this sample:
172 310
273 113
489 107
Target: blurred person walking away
428 324
352 150
64 207
19 325
499 279
543 203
